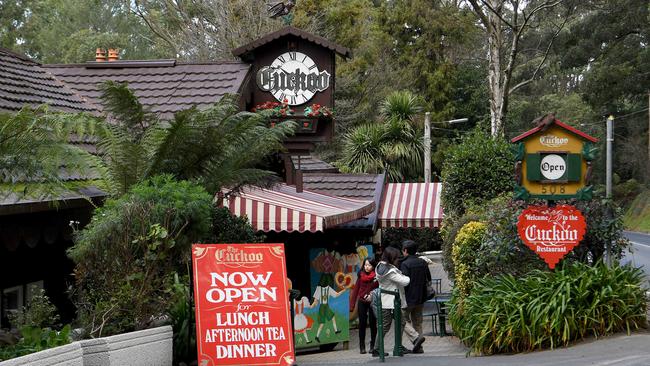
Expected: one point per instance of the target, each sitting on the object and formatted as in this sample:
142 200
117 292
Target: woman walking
390 278
360 298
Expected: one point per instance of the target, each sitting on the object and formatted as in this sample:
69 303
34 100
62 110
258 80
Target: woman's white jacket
391 278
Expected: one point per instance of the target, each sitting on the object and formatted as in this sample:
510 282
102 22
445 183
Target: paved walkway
433 346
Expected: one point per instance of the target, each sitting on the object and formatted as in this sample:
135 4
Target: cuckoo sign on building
551 232
242 305
294 77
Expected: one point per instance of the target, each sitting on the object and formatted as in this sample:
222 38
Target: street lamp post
427 143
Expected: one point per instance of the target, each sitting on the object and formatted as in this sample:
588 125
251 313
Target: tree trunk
495 72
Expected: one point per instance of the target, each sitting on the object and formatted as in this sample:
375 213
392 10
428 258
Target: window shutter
533 172
574 162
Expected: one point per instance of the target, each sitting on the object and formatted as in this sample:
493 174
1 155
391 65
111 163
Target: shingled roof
311 164
164 86
25 82
363 187
293 31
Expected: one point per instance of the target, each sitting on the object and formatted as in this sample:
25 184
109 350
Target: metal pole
427 147
608 180
397 313
379 341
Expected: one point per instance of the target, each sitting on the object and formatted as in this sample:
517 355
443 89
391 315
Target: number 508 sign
242 305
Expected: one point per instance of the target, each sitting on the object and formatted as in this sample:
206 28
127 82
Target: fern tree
216 147
392 144
35 152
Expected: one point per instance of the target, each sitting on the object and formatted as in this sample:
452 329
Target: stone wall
150 347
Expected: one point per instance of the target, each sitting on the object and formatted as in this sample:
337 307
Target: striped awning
283 209
411 205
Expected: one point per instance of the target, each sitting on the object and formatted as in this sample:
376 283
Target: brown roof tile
309 164
357 186
343 51
25 82
164 86
366 187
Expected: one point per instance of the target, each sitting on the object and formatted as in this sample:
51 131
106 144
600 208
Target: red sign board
242 305
551 232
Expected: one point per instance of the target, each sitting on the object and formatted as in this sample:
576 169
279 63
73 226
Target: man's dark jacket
418 270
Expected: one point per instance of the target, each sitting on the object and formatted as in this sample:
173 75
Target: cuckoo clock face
294 77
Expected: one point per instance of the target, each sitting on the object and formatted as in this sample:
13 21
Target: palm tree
392 145
35 152
216 147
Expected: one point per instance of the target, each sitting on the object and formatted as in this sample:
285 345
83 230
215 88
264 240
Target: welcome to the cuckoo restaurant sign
551 232
242 305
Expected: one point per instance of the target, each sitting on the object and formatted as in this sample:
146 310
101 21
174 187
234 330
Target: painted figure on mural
301 322
322 295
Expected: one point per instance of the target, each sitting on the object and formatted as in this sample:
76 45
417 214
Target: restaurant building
327 220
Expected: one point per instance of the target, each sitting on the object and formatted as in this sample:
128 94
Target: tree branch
497 13
541 63
479 11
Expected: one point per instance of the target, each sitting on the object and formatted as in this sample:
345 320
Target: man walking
416 292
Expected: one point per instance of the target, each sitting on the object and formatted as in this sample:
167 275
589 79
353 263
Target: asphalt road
639 253
620 350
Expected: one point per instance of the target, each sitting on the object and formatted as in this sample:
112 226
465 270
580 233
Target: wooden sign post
242 305
553 163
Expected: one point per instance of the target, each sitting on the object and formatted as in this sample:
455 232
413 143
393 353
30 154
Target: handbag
431 290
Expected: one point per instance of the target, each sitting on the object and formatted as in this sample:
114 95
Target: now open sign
242 305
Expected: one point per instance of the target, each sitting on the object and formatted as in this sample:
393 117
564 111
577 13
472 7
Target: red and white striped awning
283 209
411 205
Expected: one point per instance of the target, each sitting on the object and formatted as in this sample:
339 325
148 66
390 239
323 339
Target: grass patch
637 217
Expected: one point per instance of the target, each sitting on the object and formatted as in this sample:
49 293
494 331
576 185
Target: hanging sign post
242 305
551 232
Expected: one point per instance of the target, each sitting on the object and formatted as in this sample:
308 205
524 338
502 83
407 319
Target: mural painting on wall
325 318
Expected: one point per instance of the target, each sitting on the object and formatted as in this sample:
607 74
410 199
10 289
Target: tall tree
505 23
58 31
206 29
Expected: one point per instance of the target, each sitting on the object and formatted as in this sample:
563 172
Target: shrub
427 238
228 228
502 251
549 309
464 253
40 313
126 257
449 231
35 339
474 171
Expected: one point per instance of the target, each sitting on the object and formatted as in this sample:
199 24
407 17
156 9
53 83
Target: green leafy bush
228 228
127 256
549 309
475 171
464 253
35 339
40 313
502 251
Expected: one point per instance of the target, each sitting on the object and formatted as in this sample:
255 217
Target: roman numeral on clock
293 99
292 56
